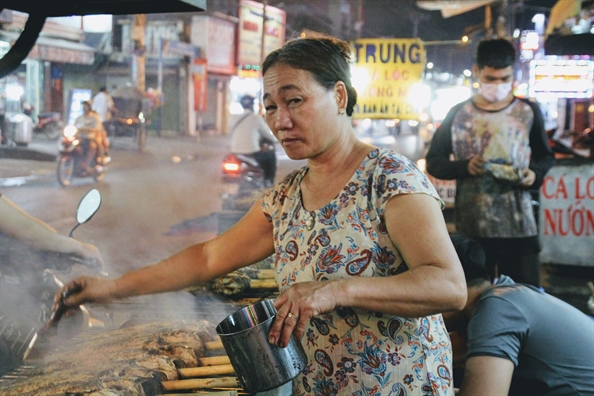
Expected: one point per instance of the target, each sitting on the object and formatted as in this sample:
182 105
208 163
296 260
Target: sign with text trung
383 73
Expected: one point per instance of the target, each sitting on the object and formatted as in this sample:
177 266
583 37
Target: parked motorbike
243 172
72 161
49 123
28 282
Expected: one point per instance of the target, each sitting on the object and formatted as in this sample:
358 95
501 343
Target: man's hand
476 165
528 177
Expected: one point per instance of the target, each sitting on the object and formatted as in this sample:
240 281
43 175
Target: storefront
41 76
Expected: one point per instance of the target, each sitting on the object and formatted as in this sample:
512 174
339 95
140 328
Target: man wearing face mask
494 145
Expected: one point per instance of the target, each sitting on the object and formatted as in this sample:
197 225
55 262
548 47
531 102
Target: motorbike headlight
70 131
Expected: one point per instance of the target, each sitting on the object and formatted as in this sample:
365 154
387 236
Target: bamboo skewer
205 383
266 274
214 361
213 345
263 284
223 393
193 372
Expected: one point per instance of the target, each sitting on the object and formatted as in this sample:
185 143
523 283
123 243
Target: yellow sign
385 73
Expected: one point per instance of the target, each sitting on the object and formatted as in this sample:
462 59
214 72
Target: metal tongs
43 337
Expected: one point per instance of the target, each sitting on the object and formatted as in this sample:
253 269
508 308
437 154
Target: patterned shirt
486 206
353 351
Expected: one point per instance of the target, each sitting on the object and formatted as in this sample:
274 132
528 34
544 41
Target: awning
562 11
115 7
56 50
451 8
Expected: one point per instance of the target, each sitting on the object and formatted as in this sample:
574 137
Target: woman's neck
328 174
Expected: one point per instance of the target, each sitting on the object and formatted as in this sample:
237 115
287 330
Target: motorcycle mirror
88 206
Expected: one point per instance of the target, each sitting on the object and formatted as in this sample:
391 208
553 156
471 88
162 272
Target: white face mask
495 92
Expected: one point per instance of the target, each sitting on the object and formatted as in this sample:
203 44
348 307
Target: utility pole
263 42
360 22
139 63
138 66
416 18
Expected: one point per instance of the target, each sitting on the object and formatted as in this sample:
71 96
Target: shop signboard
249 41
200 77
216 38
385 73
561 78
567 215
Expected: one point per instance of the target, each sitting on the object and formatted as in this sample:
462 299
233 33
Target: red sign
200 75
567 215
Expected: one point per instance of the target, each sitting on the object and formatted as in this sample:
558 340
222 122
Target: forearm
19 225
439 164
177 272
421 291
541 168
247 242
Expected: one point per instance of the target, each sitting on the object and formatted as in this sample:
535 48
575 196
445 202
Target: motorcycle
72 161
28 282
242 172
49 123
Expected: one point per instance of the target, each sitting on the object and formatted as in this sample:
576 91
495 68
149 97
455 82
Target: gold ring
291 316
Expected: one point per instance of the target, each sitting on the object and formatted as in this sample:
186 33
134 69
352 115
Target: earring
341 111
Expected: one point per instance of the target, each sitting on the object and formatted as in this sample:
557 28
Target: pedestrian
362 255
500 152
519 339
103 105
252 137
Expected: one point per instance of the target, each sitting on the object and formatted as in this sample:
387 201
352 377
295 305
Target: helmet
247 101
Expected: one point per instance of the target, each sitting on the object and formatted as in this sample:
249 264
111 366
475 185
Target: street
154 203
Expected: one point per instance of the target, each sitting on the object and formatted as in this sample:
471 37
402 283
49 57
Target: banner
199 73
250 31
384 72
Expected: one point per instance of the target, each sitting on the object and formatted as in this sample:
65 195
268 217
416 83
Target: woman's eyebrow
283 89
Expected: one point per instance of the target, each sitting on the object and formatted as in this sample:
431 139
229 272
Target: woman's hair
495 53
326 58
473 259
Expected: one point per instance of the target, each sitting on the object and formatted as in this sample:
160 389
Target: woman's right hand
90 289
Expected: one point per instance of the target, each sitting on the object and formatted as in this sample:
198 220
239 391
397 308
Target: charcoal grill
214 374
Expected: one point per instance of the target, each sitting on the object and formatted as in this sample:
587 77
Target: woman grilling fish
363 257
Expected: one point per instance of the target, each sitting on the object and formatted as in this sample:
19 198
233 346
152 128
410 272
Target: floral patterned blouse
353 351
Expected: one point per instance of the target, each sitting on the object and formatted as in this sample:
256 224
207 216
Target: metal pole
160 87
262 48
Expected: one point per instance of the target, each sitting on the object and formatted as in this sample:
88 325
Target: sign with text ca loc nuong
566 215
383 73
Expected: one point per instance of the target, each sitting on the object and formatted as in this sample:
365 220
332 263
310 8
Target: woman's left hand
297 305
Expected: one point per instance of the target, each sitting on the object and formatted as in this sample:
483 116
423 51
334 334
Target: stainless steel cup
259 365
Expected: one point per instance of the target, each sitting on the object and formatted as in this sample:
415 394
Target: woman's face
300 112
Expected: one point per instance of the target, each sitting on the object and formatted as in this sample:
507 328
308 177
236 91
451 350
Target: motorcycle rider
90 127
253 138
